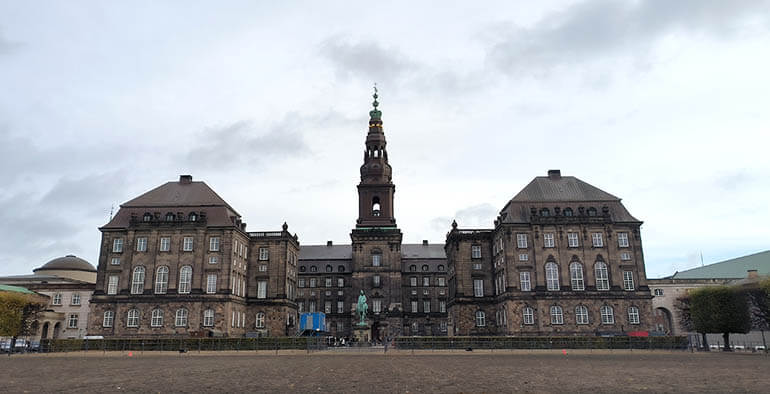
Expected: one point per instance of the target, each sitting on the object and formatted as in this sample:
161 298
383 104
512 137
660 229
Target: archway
44 333
663 321
56 331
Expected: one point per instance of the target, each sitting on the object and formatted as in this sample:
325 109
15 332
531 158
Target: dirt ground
402 372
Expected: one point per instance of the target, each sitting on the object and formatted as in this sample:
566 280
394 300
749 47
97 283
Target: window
628 280
623 240
329 268
567 211
170 217
260 320
581 314
185 279
72 320
476 251
132 319
414 306
264 254
548 240
441 268
301 282
572 240
412 268
441 281
658 292
117 245
341 306
312 282
529 316
442 306
376 260
108 319
426 306
592 211
376 306
413 281
596 240
376 200
521 241
75 299
328 282
115 261
213 259
262 289
481 319
157 318
327 307
477 266
147 217
625 256
161 280
187 244
141 244
633 315
313 268
442 326
607 315
525 281
214 244
340 282
165 244
478 288
211 283
208 318
340 268
181 318
192 217
602 277
376 281
137 282
576 276
552 276
415 328
425 267
557 317
425 281
523 257
112 286
311 307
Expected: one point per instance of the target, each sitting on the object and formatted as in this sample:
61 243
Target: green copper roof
375 114
730 269
16 289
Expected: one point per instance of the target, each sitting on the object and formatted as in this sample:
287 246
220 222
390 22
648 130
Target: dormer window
313 268
592 211
376 206
567 211
192 217
329 268
545 212
147 217
302 268
170 217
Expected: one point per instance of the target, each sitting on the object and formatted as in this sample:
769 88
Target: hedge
593 342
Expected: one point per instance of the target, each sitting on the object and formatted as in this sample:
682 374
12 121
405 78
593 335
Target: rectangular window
377 306
141 244
72 322
628 280
476 251
263 268
441 281
328 282
311 307
187 244
340 282
115 261
264 254
425 281
477 266
548 240
213 259
312 282
523 257
262 289
165 244
442 306
376 260
557 317
376 281
525 281
117 245
301 282
208 318
596 240
414 306
572 240
211 284
426 306
529 316
109 318
413 281
625 256
214 244
340 306
75 299
623 240
301 307
328 307
443 326
112 285
581 315
478 288
521 241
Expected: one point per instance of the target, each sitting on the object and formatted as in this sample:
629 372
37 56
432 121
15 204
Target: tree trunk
13 345
705 343
726 337
764 344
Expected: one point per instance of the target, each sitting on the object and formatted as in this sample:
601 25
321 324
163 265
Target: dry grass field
397 372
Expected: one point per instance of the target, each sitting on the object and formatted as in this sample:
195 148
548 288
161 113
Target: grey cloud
91 193
365 59
476 216
7 46
590 30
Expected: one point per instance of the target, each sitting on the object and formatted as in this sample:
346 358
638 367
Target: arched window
109 318
313 268
481 319
157 318
592 211
608 317
260 321
137 282
529 315
376 258
576 276
329 268
208 318
301 268
192 217
602 276
376 206
340 268
412 268
545 212
633 315
441 267
181 318
557 316
132 320
170 217
185 279
147 217
425 267
567 211
581 314
161 280
552 276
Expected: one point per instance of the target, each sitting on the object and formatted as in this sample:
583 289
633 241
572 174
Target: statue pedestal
362 334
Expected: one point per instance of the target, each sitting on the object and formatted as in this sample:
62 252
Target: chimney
752 274
554 174
328 243
185 179
424 242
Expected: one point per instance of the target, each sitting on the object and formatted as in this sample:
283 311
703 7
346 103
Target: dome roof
67 263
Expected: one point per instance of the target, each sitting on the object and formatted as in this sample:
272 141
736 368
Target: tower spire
375 192
375 115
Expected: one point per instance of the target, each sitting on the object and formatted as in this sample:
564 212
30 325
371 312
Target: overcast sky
662 103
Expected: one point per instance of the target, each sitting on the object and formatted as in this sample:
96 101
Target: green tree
720 309
18 313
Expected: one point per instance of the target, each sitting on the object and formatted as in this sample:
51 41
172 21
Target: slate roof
736 268
420 251
345 252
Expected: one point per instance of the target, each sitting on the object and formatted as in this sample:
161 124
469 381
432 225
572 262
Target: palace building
563 258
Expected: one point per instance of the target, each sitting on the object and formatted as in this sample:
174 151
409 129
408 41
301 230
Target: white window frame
56 299
262 289
577 282
213 259
628 280
481 319
623 240
633 315
208 318
625 256
608 315
341 306
112 284
132 318
525 281
521 241
475 251
581 314
259 321
602 275
108 319
72 320
211 284
161 280
327 307
117 245
214 244
658 292
425 281
75 299
328 282
442 306
414 306
115 261
376 281
264 254
528 316
552 276
165 244
341 282
376 260
523 257
185 280
141 244
156 320
548 240
187 244
441 281
573 241
596 240
137 280
413 281
557 315
478 287
180 318
426 306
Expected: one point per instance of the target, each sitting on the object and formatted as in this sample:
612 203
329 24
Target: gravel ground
404 372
